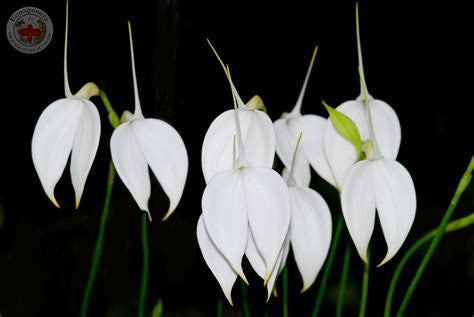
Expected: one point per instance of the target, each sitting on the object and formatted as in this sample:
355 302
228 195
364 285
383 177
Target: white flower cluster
71 126
247 211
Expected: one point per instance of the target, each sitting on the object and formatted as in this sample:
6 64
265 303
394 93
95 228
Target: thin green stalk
245 299
365 287
452 226
343 283
463 183
145 270
220 307
285 291
328 266
113 117
99 244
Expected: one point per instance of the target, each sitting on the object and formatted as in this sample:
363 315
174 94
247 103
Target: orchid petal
216 262
386 128
358 205
53 140
254 256
312 145
166 154
84 149
225 216
268 208
310 232
274 274
131 164
258 138
286 250
341 154
287 132
395 201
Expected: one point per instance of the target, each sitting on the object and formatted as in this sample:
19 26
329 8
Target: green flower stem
113 117
145 270
452 226
99 245
285 291
365 287
245 299
328 266
220 307
463 183
343 283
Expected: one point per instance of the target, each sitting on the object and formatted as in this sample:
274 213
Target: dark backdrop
417 57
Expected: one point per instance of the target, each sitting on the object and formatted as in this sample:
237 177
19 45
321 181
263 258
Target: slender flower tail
343 283
99 245
463 184
299 102
454 225
328 266
146 264
365 287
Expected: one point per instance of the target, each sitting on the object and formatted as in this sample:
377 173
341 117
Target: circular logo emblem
29 30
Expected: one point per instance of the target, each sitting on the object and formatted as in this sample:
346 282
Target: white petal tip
304 289
229 299
384 261
242 276
274 292
53 200
265 280
365 259
148 214
78 202
168 214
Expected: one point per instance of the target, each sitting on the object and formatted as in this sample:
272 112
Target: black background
417 57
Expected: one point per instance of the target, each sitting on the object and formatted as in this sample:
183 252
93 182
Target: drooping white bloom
339 152
138 143
71 124
382 184
258 136
220 267
310 226
287 129
246 210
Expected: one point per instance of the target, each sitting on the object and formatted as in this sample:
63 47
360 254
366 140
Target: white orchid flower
339 152
310 226
138 143
382 184
287 129
246 210
67 126
258 136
